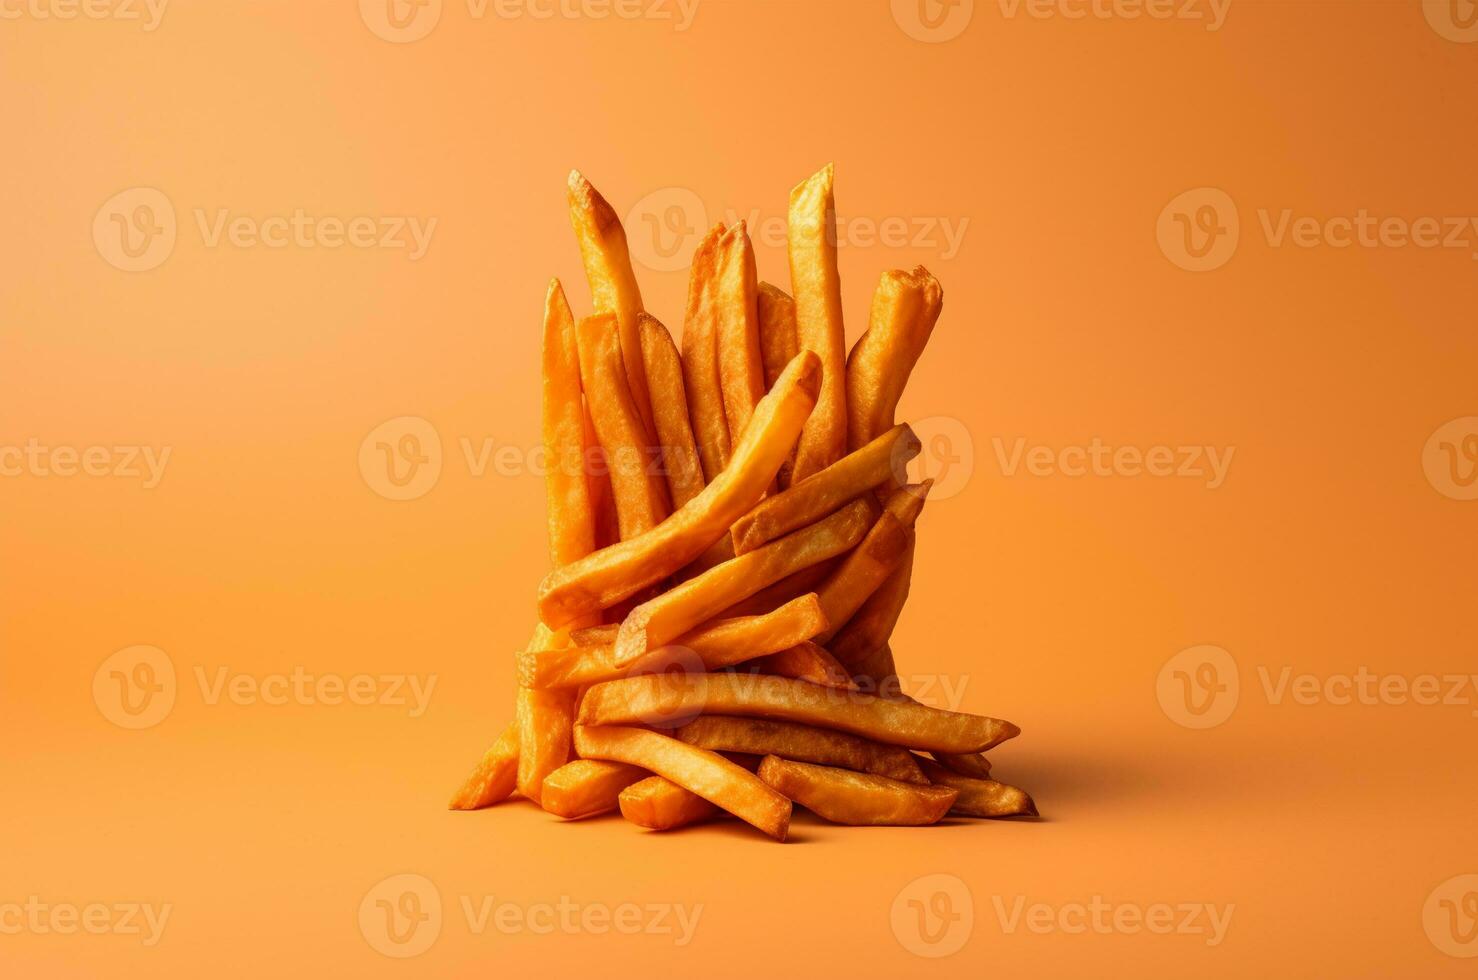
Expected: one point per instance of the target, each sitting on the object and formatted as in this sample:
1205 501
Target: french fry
800 583
975 765
602 499
980 797
657 803
817 287
701 369
613 287
660 620
904 310
566 486
680 462
741 371
861 640
870 564
657 698
544 720
777 330
495 777
876 669
708 774
855 798
586 787
807 661
821 493
804 743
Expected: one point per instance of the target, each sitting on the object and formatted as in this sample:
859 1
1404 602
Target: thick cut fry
701 357
777 330
876 671
586 787
904 310
495 777
803 743
613 287
855 798
880 553
641 494
800 583
566 485
741 372
602 500
708 774
658 698
544 719
980 797
659 621
604 578
860 641
871 466
807 661
975 765
680 463
657 803
818 312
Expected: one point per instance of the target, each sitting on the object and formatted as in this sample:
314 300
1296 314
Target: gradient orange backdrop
1052 145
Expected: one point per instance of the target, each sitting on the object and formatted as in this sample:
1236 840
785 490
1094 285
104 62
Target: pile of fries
732 535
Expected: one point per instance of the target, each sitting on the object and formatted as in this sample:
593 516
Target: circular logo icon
664 228
946 456
1199 687
400 21
401 459
675 664
135 688
135 230
1199 230
933 916
1450 459
1456 20
933 21
1450 916
401 916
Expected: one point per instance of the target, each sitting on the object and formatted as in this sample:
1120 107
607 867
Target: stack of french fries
732 535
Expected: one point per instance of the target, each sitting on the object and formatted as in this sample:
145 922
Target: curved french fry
586 787
980 797
680 460
657 803
904 310
878 556
818 310
855 798
495 777
803 743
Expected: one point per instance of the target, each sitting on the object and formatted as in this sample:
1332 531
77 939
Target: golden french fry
777 330
701 371
980 797
818 311
860 643
604 578
544 720
566 487
855 798
660 698
821 493
741 371
975 765
660 620
708 774
613 287
807 661
680 462
876 670
869 565
904 310
804 743
771 597
657 803
602 499
495 777
586 787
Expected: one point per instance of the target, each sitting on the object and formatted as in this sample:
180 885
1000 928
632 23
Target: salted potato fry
861 640
566 486
818 311
904 310
807 661
659 698
980 797
975 765
777 330
708 774
680 462
586 787
495 777
855 798
660 620
821 493
701 370
657 803
603 579
804 743
741 371
869 565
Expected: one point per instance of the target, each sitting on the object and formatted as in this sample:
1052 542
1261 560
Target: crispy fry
974 765
741 372
544 719
799 583
680 460
980 797
654 698
495 777
586 787
777 330
566 487
904 310
600 580
855 798
602 499
818 307
876 670
807 661
861 640
701 357
867 567
657 803
821 493
699 771
804 743
613 287
663 619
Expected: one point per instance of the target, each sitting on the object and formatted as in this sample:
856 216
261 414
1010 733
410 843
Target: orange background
1056 600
